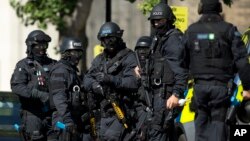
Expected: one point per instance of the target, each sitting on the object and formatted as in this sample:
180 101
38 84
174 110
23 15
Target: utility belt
211 82
157 90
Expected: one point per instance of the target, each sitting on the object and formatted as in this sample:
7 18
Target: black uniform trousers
156 131
212 103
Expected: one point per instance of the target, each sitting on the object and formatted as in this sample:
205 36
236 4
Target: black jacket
24 79
173 51
63 83
124 81
227 56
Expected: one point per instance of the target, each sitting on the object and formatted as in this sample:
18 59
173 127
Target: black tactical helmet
244 112
162 11
37 36
144 42
69 43
109 29
209 7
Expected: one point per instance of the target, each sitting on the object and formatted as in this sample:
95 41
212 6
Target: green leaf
228 2
147 5
42 12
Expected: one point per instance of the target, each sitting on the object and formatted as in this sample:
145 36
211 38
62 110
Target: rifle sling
118 57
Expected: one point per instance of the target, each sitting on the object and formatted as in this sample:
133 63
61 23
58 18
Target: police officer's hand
137 72
103 77
246 95
97 88
43 96
172 102
70 127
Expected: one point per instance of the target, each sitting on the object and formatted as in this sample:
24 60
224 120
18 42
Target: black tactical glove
43 96
97 88
103 77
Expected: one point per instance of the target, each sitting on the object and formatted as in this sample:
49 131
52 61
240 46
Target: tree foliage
68 16
228 2
147 5
42 12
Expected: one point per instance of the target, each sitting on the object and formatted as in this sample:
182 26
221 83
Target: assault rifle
112 99
91 115
145 86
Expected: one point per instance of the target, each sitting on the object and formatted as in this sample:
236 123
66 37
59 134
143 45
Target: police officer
30 82
143 100
112 79
215 51
65 90
168 76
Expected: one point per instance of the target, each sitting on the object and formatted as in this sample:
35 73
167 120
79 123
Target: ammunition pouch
161 71
76 100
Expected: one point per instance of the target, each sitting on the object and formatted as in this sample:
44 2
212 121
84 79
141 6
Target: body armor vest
210 50
113 67
38 77
159 69
73 84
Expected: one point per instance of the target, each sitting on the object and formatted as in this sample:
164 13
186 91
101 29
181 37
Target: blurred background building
13 33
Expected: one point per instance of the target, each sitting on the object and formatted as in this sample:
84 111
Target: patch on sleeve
57 85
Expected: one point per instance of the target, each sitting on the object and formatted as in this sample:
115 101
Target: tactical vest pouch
76 97
212 49
162 72
158 71
168 75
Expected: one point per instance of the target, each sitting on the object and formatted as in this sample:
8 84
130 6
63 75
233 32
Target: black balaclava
163 28
39 51
143 55
37 44
112 45
159 12
72 56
